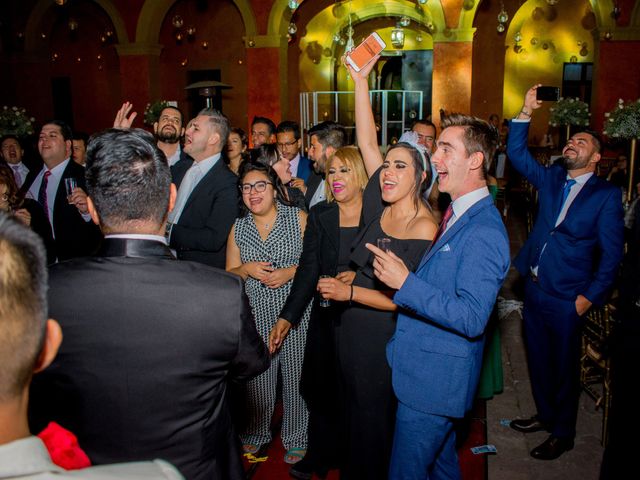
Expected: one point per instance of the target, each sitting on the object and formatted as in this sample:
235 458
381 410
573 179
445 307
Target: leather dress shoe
552 448
528 425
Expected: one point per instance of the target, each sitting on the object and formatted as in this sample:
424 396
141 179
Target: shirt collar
466 201
581 179
205 165
58 170
27 456
138 236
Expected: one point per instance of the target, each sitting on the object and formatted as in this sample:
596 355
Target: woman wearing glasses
264 248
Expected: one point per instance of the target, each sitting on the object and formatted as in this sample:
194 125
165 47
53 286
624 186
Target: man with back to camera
143 371
436 351
570 261
29 343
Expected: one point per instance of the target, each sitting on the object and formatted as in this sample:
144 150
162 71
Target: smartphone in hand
360 56
548 94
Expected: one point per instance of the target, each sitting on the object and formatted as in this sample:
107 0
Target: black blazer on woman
319 257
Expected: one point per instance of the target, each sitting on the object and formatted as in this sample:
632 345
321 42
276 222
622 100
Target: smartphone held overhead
548 94
362 55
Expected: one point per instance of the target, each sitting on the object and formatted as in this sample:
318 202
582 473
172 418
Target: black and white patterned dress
282 248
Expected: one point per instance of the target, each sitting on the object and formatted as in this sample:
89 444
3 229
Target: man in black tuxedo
207 201
74 233
150 342
326 138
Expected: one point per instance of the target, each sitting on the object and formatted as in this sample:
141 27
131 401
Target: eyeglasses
286 145
260 186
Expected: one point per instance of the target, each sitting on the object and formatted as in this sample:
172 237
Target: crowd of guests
191 278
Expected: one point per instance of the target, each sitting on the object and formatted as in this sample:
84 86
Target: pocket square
445 248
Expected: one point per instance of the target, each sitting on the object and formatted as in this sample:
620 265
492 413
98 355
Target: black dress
361 339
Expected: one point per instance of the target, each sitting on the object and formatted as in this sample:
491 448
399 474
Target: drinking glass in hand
325 302
384 244
70 184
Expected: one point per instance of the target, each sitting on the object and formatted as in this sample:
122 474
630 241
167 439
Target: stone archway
41 9
154 11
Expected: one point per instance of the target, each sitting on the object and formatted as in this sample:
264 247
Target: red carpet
474 467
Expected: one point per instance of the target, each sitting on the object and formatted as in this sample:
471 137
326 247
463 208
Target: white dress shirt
319 194
173 159
22 170
28 458
52 185
196 172
465 202
138 236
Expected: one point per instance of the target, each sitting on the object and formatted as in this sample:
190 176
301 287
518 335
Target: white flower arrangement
152 111
623 121
569 111
15 121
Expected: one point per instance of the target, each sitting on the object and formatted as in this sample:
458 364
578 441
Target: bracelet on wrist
525 113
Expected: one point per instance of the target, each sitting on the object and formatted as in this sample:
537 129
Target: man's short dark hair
177 110
597 139
81 136
23 304
425 122
266 121
478 136
128 178
329 134
65 129
289 126
10 137
220 124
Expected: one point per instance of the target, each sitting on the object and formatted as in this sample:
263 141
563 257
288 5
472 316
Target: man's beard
574 163
167 136
317 167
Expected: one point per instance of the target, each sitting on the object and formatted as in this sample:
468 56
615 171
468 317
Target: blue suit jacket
583 252
436 351
304 168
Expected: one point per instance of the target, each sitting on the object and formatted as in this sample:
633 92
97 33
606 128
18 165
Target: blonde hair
351 157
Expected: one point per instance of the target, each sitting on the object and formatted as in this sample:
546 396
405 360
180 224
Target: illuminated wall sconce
397 37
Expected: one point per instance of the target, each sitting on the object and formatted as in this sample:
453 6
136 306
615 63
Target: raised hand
123 119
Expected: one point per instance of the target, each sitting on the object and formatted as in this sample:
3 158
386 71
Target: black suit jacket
319 257
73 236
149 346
313 182
206 220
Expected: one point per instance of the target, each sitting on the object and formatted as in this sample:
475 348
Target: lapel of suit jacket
180 169
455 228
312 186
585 192
329 220
205 182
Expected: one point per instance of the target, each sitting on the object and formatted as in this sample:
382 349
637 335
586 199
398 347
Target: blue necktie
565 193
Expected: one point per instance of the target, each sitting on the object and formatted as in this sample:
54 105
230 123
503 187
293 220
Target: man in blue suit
570 261
289 144
436 351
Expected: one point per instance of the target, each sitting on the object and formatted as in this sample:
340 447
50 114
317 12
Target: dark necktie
443 224
565 193
42 193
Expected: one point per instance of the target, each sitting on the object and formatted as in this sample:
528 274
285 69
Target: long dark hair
420 164
272 176
15 198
